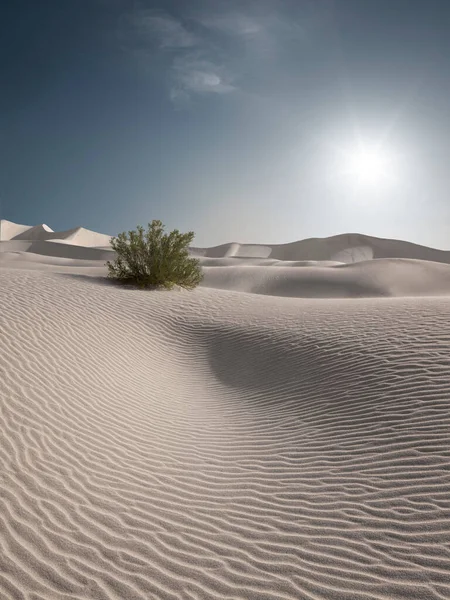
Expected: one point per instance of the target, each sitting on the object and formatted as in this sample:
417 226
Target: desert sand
281 432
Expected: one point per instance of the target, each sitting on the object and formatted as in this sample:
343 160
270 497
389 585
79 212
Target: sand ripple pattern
221 445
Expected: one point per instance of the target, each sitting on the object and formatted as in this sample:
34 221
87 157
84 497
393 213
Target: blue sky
239 120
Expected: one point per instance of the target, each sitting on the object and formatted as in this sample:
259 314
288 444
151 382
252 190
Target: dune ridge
348 247
343 248
243 442
78 236
344 266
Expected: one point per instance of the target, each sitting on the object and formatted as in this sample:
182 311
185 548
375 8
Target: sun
371 167
368 165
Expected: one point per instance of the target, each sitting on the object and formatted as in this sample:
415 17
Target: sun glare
368 165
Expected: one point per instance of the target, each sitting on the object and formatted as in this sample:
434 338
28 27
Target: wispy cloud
146 26
216 51
192 74
192 68
233 24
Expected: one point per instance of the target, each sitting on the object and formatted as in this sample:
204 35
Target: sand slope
78 236
231 443
76 244
380 277
221 445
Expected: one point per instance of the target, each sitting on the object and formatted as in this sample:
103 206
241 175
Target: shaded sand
383 277
220 444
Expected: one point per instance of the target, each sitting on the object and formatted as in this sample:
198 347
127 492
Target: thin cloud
233 24
213 52
194 75
192 68
272 28
150 27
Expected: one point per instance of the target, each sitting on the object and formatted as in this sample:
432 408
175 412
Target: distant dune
343 266
347 248
78 236
77 243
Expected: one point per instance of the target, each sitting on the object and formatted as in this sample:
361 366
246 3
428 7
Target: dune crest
38 232
348 247
78 235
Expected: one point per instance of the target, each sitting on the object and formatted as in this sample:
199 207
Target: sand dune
217 444
9 230
77 236
382 277
345 248
77 244
38 232
81 237
344 266
349 247
55 248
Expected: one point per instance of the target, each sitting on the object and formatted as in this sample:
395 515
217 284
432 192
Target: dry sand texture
291 443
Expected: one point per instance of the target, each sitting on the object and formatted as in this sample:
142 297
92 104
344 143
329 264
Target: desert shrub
154 258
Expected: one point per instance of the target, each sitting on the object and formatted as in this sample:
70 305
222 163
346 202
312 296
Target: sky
263 121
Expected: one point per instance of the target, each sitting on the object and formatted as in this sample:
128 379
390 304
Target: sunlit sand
281 432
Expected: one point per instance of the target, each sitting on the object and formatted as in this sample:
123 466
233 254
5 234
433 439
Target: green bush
155 258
